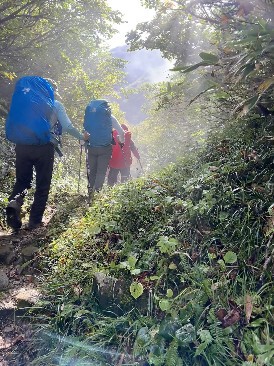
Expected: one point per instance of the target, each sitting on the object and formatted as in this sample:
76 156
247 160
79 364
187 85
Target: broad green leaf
112 265
136 289
209 57
143 336
95 230
223 216
132 261
123 265
164 305
221 264
172 266
186 334
167 247
154 278
169 293
194 67
179 68
135 271
185 69
230 257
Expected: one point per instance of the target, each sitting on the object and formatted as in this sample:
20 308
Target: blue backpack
28 121
56 128
98 123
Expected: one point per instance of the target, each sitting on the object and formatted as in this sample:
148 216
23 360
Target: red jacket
121 157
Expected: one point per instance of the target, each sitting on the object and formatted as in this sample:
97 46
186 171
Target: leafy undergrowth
6 174
191 251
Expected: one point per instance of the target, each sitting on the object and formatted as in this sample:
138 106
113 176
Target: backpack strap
55 132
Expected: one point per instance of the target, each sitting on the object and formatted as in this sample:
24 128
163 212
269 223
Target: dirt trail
19 290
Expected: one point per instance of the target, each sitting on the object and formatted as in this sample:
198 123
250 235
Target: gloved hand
86 135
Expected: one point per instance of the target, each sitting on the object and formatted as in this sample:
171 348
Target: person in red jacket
121 158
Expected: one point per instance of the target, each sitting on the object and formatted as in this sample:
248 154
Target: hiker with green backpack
31 125
99 123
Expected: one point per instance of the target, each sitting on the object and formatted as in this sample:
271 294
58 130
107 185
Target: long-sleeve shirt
65 122
116 126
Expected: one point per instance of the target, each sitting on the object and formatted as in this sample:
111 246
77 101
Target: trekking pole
80 165
88 174
139 161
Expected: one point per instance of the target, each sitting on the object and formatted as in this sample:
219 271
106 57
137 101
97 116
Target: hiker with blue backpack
32 124
99 123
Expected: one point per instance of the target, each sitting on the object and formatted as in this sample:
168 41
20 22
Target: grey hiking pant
98 160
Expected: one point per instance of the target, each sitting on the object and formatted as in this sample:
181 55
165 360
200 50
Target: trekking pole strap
59 152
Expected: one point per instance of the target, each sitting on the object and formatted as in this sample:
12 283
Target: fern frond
172 356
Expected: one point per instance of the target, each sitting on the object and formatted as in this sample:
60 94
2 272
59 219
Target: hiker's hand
82 142
86 136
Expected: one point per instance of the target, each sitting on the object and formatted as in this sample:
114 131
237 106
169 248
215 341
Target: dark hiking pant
98 160
113 175
39 157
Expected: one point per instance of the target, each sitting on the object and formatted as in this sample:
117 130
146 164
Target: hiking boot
34 225
13 215
90 197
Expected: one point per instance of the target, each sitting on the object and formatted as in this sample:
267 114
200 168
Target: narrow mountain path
19 291
21 276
